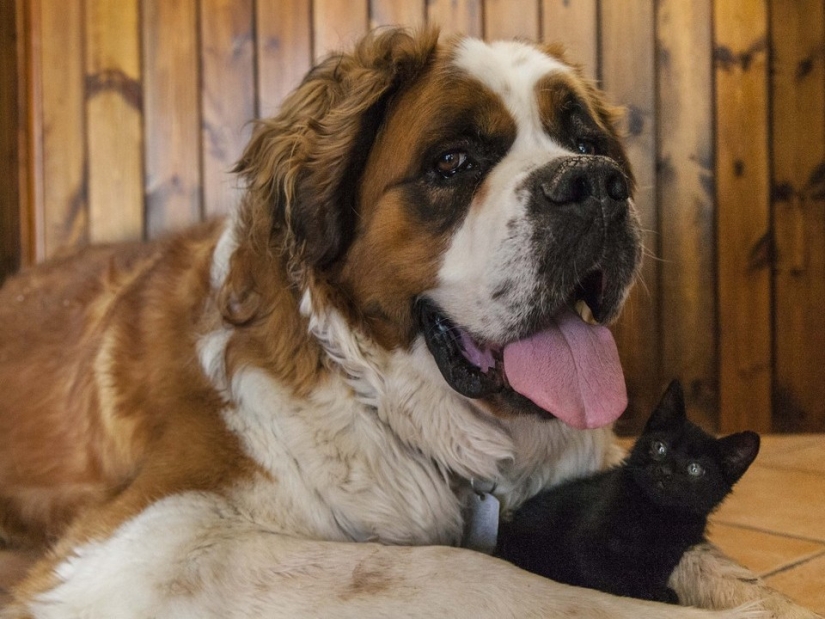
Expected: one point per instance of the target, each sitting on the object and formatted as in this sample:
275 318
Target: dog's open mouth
570 368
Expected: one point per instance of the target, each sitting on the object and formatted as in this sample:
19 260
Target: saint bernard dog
289 413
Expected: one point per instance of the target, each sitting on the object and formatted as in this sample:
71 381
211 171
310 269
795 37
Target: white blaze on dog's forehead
511 70
490 251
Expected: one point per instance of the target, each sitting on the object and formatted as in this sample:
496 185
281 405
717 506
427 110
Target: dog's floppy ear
302 166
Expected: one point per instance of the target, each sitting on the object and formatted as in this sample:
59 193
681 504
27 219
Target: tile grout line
802 538
792 565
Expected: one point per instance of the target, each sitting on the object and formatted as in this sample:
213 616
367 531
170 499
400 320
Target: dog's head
469 195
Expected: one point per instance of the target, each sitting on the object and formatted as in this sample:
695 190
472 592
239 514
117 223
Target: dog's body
205 424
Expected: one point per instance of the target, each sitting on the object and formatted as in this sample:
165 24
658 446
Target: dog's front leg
709 579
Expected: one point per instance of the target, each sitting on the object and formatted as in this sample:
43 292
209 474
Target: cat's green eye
695 469
658 450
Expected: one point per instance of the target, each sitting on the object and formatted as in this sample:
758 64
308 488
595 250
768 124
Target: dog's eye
586 147
451 162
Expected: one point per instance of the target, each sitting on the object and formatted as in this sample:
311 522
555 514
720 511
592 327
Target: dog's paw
706 578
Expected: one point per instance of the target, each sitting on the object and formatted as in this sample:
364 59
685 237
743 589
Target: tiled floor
774 522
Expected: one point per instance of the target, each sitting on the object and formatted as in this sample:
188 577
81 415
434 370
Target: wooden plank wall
10 126
743 234
797 123
134 111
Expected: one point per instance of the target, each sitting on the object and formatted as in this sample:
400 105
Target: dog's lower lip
443 341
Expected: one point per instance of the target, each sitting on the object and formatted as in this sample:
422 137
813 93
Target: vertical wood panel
113 113
11 39
744 248
66 220
798 130
411 13
284 49
508 19
32 222
172 115
575 24
628 75
337 25
456 16
686 203
228 96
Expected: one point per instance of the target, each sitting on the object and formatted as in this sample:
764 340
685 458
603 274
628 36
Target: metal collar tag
481 522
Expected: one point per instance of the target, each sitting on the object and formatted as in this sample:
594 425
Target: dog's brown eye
451 162
586 147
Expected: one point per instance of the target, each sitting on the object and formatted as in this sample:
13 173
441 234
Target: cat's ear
670 410
738 451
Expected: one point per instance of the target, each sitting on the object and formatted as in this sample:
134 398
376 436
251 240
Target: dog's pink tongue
571 370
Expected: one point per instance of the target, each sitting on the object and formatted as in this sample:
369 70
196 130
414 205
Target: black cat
624 530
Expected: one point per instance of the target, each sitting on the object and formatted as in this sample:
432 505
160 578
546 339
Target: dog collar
481 518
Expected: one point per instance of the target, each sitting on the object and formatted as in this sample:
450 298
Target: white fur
380 450
511 70
491 249
227 244
194 556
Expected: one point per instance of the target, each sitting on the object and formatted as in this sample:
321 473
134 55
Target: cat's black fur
625 529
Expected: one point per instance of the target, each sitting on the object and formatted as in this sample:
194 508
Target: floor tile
804 583
782 501
803 452
759 551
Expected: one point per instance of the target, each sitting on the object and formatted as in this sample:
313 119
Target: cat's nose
665 471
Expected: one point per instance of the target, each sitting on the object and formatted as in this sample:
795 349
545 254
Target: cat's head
680 465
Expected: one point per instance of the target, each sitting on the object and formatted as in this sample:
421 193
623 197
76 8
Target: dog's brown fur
107 408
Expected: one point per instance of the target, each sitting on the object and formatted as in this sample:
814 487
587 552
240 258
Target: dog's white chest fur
334 471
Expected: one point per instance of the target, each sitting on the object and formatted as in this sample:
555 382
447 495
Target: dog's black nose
578 179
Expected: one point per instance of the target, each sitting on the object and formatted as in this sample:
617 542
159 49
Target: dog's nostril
617 187
580 189
567 189
580 180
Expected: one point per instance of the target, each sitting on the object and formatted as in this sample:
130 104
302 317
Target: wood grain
66 217
743 221
509 19
283 47
798 145
227 66
574 24
172 115
10 130
32 214
114 120
337 25
412 13
457 16
686 197
628 76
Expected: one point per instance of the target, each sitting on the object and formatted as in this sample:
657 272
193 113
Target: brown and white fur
245 420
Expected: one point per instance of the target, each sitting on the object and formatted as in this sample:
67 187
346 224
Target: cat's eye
658 450
695 469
